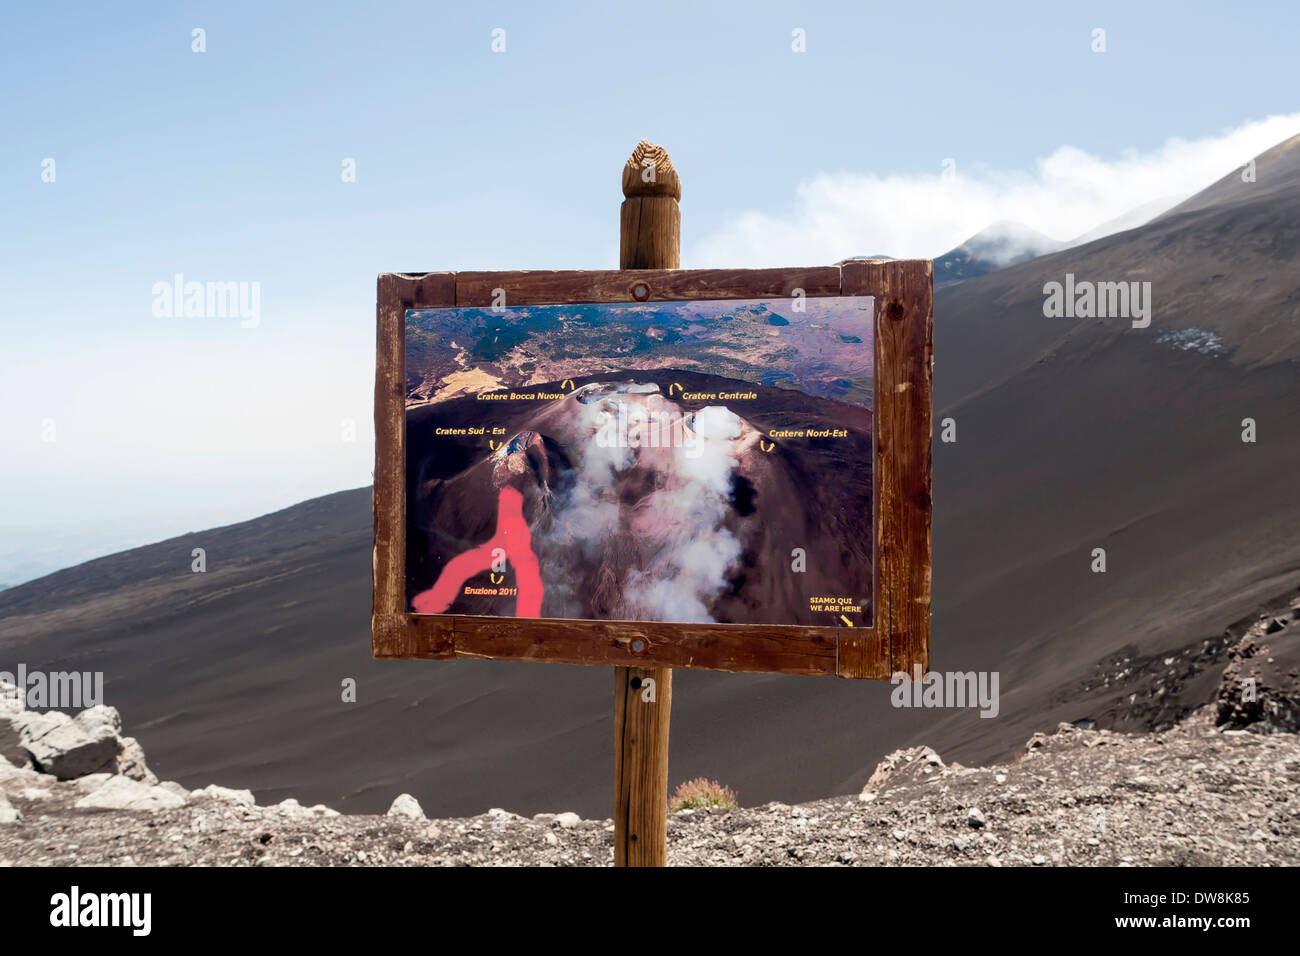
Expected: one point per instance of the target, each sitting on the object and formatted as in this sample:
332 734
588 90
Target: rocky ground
1196 795
1221 786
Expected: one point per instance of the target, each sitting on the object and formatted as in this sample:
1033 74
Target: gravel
1190 796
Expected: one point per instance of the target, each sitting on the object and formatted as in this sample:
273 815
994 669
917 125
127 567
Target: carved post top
639 181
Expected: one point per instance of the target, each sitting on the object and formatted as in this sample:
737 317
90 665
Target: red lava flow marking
513 537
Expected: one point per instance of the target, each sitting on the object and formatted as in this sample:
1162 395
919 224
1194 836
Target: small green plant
702 793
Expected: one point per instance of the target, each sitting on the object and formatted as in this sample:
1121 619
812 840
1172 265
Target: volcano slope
1071 435
1078 434
645 507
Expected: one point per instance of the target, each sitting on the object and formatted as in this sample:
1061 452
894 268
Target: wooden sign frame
899 636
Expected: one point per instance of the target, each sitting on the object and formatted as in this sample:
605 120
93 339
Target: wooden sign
724 469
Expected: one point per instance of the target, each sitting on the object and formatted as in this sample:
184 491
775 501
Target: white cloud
1063 196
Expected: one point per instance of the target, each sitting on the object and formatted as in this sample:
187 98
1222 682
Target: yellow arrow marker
675 385
497 580
846 620
566 385
766 446
494 445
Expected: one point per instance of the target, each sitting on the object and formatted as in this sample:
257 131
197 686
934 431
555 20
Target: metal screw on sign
640 291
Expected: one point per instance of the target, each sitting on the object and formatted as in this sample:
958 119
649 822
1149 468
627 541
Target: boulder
294 810
499 819
32 724
130 763
123 793
568 819
16 779
69 748
40 721
100 719
11 745
92 782
902 767
290 808
171 786
223 795
406 806
11 739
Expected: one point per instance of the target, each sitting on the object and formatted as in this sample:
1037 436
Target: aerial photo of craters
677 462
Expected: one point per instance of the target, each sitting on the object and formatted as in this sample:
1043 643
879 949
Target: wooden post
650 227
650 236
641 765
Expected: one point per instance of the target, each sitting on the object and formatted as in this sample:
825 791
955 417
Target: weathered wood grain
663 182
651 228
721 647
571 286
903 382
393 633
641 766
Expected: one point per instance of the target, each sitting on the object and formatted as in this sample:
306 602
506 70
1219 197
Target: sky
128 158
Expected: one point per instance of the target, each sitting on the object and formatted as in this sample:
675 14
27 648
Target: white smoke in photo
639 533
